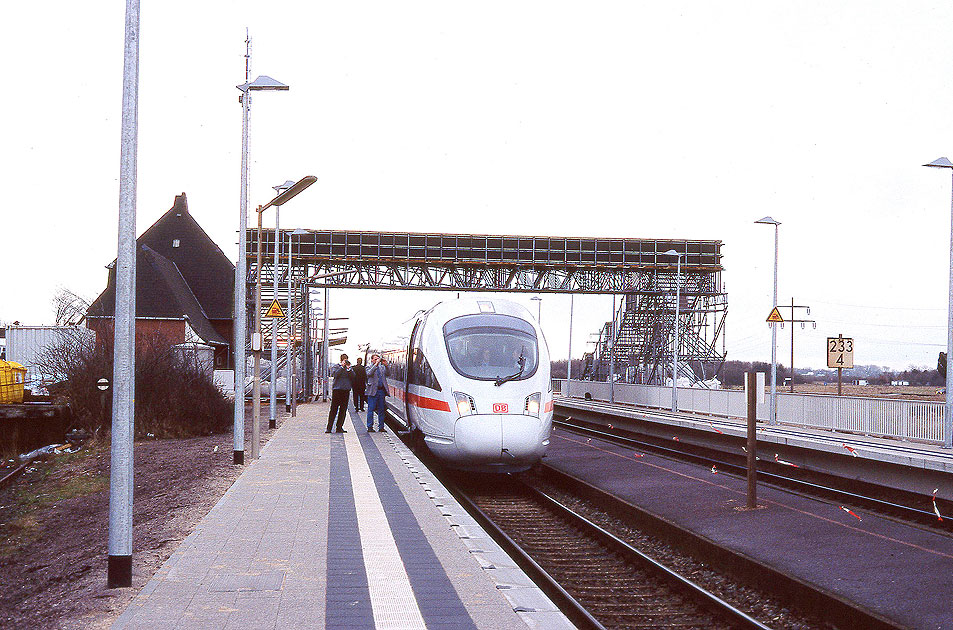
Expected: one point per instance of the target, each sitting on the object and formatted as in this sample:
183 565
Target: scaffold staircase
640 342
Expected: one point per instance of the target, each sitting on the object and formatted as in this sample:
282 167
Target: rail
911 420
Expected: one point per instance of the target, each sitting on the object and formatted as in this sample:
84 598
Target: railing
913 420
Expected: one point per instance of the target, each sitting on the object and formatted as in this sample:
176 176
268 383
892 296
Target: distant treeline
559 368
732 373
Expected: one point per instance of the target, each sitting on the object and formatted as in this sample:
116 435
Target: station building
184 286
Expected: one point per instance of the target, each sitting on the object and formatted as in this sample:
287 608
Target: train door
414 337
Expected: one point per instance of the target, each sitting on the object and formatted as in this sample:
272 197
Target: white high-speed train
474 385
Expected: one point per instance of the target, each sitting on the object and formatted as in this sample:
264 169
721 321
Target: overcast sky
645 120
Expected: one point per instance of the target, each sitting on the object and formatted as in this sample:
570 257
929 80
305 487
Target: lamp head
770 221
291 192
263 83
940 163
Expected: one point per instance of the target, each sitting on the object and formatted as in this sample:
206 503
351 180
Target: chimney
181 205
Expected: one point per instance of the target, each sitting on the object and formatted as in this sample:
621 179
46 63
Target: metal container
27 344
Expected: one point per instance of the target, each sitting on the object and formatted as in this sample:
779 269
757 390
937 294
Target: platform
338 531
900 572
906 465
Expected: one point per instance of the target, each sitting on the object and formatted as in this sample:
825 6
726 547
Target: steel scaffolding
637 269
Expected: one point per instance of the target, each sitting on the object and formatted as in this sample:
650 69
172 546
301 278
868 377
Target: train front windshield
488 346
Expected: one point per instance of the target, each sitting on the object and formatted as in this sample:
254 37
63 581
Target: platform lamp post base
119 572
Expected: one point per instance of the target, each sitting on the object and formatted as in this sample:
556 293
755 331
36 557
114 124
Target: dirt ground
54 523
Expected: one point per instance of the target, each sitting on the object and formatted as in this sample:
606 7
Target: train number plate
501 408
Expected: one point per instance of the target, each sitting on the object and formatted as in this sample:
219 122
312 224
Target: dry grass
870 391
54 480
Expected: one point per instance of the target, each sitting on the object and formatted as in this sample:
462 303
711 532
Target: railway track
595 574
605 582
908 507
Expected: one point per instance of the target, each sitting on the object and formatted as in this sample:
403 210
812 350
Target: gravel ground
54 523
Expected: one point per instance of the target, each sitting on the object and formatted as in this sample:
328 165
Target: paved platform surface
338 531
898 571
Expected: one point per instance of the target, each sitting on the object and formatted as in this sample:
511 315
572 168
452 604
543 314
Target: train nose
501 440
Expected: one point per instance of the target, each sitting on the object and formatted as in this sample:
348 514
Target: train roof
472 306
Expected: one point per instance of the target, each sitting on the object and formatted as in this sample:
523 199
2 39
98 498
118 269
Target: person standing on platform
376 392
360 382
341 374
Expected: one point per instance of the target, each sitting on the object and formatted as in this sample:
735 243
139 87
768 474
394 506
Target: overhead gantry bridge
638 269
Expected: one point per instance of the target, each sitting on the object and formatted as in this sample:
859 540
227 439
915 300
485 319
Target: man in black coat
340 386
359 378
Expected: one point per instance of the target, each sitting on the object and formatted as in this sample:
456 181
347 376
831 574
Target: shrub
174 397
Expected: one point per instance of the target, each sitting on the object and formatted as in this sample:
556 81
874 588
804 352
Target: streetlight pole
611 345
773 411
273 393
569 364
324 351
273 389
279 200
539 308
948 415
678 300
262 83
290 391
119 562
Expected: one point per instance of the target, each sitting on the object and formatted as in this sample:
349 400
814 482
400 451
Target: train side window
421 373
430 378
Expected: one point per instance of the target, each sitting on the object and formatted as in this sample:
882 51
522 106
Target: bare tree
69 309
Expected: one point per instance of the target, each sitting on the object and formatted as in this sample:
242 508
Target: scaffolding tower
639 337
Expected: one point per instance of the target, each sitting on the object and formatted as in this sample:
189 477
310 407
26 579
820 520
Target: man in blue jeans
376 392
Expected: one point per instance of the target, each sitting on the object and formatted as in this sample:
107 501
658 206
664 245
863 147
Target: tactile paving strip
525 598
392 596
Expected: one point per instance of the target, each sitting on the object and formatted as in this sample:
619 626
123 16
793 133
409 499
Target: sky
685 120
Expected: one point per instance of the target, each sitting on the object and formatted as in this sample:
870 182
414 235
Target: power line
856 323
892 342
884 308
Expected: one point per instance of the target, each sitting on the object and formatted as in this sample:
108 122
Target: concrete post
119 570
273 393
240 330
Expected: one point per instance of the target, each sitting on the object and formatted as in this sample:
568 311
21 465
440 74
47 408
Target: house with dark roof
184 286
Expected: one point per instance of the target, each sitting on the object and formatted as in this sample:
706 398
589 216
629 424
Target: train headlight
465 404
531 408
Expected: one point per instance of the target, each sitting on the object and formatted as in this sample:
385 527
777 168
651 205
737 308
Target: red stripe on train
421 401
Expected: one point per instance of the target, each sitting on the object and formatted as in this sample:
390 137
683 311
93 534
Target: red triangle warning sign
275 310
775 316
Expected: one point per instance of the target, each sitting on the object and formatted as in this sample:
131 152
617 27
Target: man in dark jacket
340 388
358 385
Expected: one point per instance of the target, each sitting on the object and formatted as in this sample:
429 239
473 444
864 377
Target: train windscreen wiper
503 379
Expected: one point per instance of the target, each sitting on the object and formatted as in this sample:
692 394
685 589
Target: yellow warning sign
275 310
775 316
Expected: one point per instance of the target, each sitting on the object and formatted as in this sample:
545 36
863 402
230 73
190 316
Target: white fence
916 420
